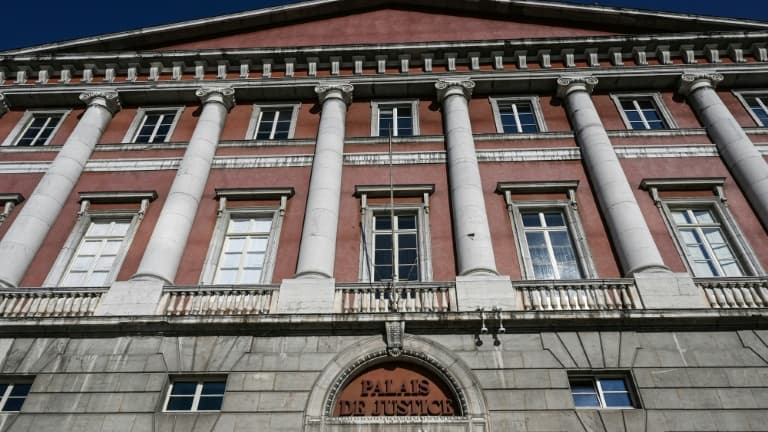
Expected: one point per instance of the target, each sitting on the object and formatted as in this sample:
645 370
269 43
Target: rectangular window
96 247
642 112
14 393
244 251
549 245
601 392
196 394
705 233
243 247
395 246
156 126
273 122
36 128
517 115
758 106
395 119
97 253
706 247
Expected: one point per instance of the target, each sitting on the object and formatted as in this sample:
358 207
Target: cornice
579 53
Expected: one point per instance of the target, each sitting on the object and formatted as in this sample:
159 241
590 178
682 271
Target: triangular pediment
389 26
361 22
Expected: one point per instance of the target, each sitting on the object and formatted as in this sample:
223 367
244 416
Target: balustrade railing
217 300
406 297
579 294
735 293
49 302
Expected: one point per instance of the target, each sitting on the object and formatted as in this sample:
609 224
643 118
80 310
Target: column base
132 297
306 296
665 290
487 292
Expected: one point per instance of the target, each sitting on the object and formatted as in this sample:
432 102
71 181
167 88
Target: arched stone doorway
424 387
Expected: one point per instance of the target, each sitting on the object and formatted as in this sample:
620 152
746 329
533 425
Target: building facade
379 215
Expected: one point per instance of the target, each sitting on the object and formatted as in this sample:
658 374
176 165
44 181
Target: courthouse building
388 215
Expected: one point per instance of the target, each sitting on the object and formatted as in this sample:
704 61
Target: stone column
630 234
169 238
312 289
474 251
741 156
23 239
478 285
317 252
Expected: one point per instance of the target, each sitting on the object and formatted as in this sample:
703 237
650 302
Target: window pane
383 223
406 222
531 220
227 277
617 400
257 244
554 219
13 404
383 257
235 245
238 226
613 384
254 260
407 241
183 388
261 225
383 241
210 403
213 387
176 403
586 400
251 276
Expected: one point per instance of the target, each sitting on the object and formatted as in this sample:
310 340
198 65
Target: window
702 226
551 243
641 112
395 246
94 251
395 118
757 105
153 125
14 393
97 253
273 122
195 394
244 251
36 128
244 244
518 115
704 242
609 391
395 241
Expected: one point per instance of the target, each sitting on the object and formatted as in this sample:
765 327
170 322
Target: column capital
335 90
107 99
567 84
448 87
692 81
222 95
3 105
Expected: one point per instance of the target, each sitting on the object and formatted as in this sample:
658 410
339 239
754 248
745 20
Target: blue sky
34 22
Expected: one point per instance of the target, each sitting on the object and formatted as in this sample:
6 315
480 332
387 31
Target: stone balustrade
217 300
406 297
47 302
594 294
735 293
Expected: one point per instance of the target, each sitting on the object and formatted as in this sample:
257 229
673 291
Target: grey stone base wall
715 381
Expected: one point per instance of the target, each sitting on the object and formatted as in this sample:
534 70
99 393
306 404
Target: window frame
717 203
742 97
596 378
569 208
138 121
85 216
13 381
199 381
664 113
533 100
225 214
255 121
26 120
368 211
376 109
